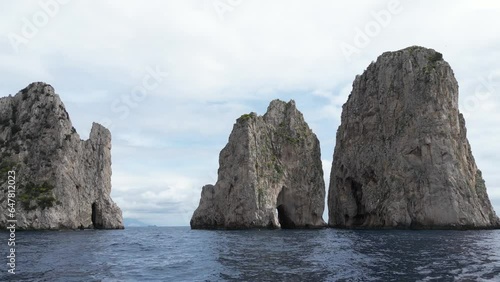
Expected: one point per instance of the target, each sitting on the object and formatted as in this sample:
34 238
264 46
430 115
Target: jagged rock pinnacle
270 175
62 181
402 159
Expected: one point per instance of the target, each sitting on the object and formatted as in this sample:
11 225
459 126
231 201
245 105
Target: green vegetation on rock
435 57
5 167
37 196
245 117
480 184
412 49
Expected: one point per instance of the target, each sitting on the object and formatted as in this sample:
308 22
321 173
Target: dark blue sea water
181 254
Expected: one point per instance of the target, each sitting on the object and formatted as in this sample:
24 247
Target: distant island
132 222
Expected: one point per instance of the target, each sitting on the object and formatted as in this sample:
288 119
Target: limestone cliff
270 175
62 181
402 159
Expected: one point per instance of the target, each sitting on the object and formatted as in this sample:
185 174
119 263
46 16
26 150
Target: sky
169 78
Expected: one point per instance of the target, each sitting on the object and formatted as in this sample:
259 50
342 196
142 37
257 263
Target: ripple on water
181 254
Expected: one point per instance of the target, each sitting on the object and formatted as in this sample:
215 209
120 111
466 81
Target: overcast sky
169 78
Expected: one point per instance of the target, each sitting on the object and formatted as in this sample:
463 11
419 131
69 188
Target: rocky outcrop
402 159
62 182
270 175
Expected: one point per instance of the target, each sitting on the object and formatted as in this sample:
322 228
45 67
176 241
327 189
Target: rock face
62 182
270 175
402 159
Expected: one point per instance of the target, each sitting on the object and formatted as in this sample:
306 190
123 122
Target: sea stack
62 182
402 158
270 175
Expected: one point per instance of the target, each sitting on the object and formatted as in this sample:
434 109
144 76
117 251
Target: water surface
181 254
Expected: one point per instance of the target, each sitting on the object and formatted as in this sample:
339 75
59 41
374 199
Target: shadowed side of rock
402 158
270 175
63 182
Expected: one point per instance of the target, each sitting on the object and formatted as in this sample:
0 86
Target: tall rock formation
270 175
62 182
402 159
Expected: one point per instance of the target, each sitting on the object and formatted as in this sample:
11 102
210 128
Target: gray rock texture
402 159
270 175
62 182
